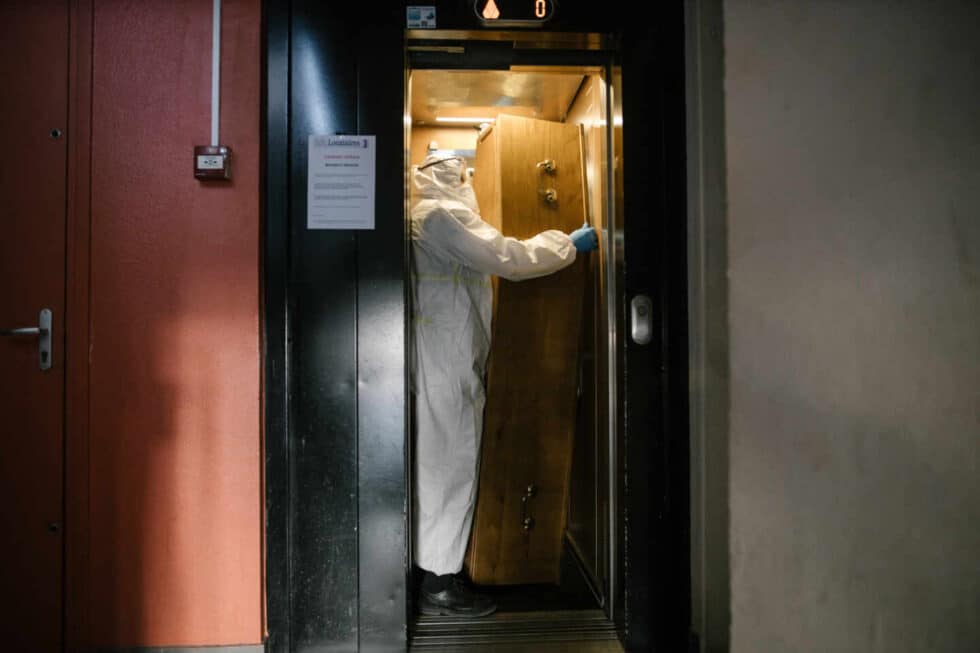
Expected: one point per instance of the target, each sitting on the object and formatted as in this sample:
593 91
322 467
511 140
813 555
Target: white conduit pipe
216 72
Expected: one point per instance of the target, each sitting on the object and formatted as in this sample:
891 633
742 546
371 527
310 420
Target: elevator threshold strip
512 627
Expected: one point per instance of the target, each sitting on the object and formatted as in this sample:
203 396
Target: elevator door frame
326 294
593 54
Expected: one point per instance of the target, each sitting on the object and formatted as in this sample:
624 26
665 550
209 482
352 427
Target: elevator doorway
538 140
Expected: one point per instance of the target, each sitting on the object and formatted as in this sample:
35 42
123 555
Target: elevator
538 140
339 418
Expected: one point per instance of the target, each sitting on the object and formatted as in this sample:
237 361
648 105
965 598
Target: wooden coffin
532 372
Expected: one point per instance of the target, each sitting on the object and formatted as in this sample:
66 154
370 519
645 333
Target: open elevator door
554 580
336 400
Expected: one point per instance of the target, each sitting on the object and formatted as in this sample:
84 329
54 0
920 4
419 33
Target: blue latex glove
584 238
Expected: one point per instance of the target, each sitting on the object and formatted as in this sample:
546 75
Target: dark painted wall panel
323 381
655 243
275 327
381 328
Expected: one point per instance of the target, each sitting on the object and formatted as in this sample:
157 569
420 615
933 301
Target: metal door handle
23 331
43 330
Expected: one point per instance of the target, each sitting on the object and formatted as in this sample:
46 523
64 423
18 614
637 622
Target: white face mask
447 172
468 197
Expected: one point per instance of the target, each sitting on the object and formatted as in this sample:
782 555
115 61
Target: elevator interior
447 111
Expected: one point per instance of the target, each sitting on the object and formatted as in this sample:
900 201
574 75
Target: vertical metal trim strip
611 315
708 324
275 327
380 345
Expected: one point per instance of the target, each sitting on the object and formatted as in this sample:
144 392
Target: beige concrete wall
853 185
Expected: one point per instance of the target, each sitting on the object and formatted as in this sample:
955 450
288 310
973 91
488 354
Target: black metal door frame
335 330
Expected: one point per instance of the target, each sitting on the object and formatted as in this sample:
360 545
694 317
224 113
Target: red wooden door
33 116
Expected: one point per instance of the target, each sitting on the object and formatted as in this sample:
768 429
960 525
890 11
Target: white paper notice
340 187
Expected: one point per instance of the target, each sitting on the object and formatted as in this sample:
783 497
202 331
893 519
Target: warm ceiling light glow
468 121
490 12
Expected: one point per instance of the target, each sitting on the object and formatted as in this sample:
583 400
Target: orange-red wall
175 454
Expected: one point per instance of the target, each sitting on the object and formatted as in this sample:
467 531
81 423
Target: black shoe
455 600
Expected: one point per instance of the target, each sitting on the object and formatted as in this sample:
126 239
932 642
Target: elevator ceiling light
465 121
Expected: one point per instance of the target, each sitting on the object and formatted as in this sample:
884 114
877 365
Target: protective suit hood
441 178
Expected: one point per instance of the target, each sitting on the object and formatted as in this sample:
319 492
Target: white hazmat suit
454 254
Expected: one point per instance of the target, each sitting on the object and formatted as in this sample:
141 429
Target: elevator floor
565 617
573 592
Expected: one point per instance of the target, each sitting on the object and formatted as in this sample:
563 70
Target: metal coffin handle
43 331
527 521
548 165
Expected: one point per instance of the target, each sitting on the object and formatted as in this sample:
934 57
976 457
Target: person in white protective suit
454 254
